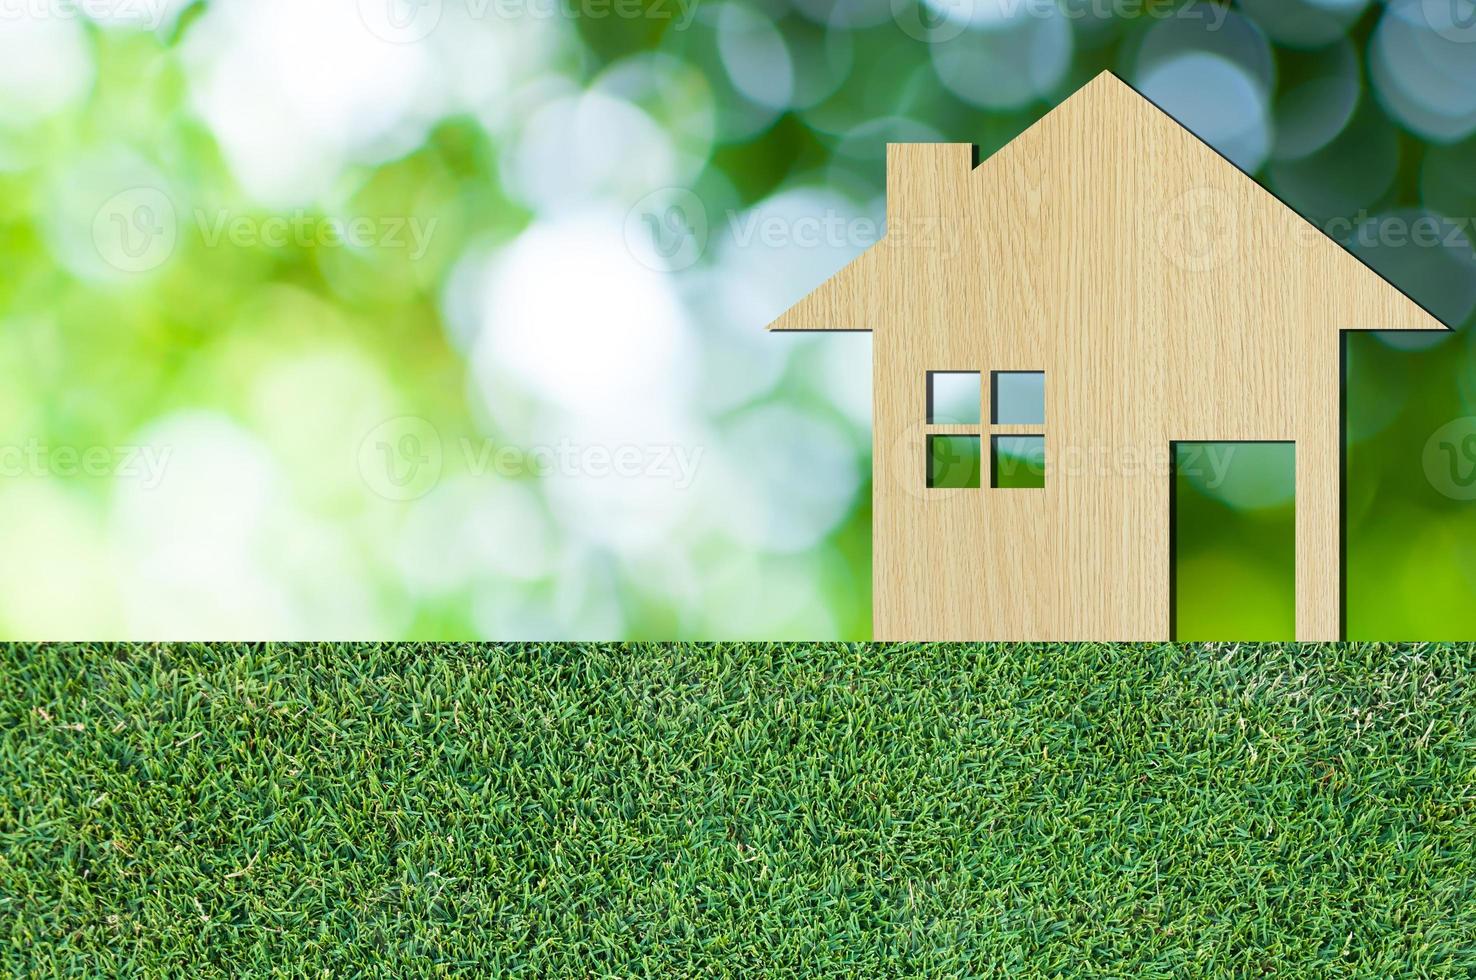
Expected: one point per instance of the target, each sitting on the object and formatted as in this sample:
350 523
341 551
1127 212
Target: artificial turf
740 810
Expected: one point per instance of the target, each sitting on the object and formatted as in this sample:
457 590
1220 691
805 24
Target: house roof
1216 226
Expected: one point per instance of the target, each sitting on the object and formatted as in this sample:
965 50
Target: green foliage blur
254 420
953 462
1019 462
1235 565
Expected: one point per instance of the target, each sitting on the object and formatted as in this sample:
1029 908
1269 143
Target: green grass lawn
787 810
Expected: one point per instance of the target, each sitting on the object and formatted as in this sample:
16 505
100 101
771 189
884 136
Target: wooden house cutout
1164 295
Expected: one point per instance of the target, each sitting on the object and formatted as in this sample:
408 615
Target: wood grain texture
1166 296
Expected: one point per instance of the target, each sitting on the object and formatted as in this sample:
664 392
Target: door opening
1232 541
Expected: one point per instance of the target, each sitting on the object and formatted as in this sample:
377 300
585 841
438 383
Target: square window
1017 463
954 397
1018 398
953 462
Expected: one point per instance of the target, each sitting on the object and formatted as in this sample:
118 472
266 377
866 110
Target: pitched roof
1132 164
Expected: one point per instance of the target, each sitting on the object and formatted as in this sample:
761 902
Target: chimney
925 181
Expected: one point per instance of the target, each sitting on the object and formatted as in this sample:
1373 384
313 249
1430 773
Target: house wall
1167 297
1088 556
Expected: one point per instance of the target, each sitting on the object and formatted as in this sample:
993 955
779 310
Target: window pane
1019 397
953 462
954 397
1018 463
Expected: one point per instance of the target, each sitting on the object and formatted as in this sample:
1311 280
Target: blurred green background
412 318
1234 540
